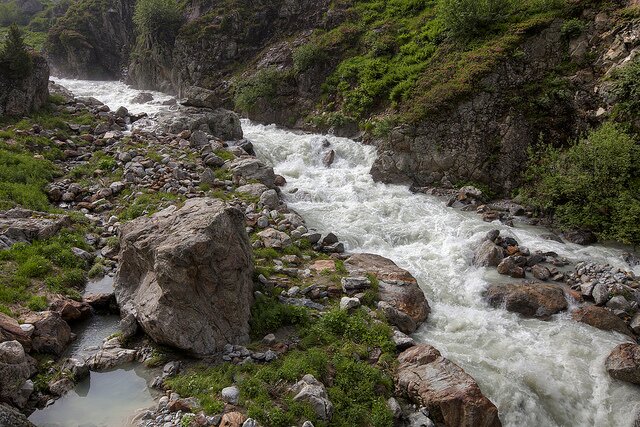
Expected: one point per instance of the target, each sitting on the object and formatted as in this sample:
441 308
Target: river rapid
537 373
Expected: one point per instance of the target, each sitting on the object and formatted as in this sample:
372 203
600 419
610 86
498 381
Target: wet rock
61 387
142 98
109 357
396 286
601 318
600 293
51 334
541 272
186 276
510 267
488 254
449 393
529 299
312 391
328 158
581 237
78 369
624 363
15 369
402 340
102 302
270 199
71 310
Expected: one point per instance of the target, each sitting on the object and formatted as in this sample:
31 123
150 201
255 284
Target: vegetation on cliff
15 60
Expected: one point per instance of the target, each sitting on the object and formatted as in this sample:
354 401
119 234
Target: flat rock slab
624 363
451 395
537 300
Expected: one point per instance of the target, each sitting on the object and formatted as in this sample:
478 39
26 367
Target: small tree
159 19
15 59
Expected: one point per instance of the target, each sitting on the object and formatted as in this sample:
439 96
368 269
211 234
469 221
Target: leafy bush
307 55
15 60
265 84
268 314
469 18
626 90
159 19
594 184
572 28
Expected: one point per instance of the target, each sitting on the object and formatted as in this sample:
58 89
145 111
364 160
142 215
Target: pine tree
15 59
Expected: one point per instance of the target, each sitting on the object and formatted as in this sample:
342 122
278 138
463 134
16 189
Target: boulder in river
397 288
186 276
488 254
451 395
624 363
538 300
601 318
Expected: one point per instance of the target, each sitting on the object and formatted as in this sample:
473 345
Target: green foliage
22 179
572 28
159 19
37 303
15 59
466 19
264 85
268 315
594 184
626 90
308 55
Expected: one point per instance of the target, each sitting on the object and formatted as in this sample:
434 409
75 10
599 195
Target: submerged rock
450 394
601 318
186 276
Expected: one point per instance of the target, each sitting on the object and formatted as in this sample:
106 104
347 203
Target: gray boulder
253 169
51 333
14 370
488 254
312 391
186 276
221 123
11 417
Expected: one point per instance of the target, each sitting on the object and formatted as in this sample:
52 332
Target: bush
626 90
595 184
307 55
15 60
469 18
268 315
572 28
159 19
265 84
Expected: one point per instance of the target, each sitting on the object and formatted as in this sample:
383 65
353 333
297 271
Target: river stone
270 199
624 363
11 417
529 299
396 286
14 370
253 169
488 254
186 276
51 334
600 293
601 318
312 391
450 394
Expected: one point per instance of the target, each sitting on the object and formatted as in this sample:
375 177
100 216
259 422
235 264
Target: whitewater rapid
537 373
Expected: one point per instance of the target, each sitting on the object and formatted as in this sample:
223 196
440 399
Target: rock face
624 363
12 418
601 318
30 93
529 299
92 40
450 394
399 293
186 276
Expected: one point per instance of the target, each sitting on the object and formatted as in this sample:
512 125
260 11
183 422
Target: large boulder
312 391
529 299
624 363
15 370
451 395
20 96
186 276
22 225
401 297
601 318
51 333
221 123
11 417
10 330
488 254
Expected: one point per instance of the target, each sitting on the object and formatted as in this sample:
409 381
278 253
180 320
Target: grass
334 349
268 315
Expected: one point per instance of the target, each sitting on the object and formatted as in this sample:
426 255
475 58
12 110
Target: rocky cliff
29 93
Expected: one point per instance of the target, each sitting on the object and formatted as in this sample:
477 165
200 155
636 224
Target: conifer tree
15 59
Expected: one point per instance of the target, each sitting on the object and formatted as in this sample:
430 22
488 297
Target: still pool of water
92 402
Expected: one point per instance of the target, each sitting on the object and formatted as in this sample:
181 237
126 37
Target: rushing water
537 373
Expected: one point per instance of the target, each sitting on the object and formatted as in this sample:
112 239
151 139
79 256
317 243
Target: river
538 373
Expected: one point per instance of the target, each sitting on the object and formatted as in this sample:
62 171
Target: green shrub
594 184
470 18
572 28
265 84
15 60
159 19
626 90
308 55
268 315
